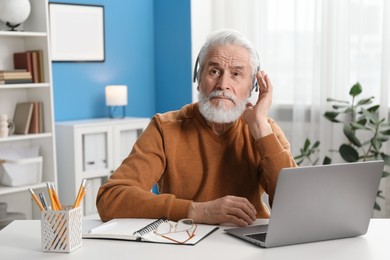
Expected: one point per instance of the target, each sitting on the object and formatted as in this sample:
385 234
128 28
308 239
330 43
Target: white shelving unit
33 35
92 149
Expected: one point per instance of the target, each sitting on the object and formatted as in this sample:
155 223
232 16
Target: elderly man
212 160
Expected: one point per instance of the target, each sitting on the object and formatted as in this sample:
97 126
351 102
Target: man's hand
257 116
229 209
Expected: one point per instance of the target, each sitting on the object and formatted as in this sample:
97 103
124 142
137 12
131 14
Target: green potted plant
365 133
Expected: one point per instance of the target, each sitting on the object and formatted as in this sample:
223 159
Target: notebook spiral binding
151 227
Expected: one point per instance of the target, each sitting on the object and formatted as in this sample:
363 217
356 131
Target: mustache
220 93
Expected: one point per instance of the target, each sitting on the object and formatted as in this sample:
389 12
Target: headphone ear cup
255 83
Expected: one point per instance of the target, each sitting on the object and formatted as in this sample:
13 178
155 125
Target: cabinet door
95 151
127 140
124 138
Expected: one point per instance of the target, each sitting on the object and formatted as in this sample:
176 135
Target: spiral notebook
143 230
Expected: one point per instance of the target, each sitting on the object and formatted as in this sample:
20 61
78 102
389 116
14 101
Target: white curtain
312 50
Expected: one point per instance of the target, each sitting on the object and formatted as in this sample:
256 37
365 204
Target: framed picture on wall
77 32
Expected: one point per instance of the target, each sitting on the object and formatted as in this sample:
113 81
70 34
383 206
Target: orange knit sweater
189 162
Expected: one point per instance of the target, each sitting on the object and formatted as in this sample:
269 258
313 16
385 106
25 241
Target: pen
43 200
36 199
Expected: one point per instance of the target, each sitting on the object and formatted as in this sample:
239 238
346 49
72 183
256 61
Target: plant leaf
370 116
299 157
385 158
348 153
316 145
355 90
327 160
306 145
383 139
365 101
377 207
376 143
358 126
336 100
338 106
348 110
379 194
299 162
386 132
362 121
350 134
373 109
385 174
330 115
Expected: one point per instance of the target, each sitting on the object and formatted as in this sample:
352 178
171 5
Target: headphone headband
194 79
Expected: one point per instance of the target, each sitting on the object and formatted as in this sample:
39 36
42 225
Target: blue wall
172 32
147 47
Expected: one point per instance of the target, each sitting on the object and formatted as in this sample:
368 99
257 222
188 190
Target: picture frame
76 32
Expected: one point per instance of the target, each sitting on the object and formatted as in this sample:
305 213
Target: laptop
316 203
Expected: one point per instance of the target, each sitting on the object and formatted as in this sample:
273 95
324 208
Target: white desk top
21 240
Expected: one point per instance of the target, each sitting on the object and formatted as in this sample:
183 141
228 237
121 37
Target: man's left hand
256 116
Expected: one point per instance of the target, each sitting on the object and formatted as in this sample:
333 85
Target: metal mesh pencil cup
61 230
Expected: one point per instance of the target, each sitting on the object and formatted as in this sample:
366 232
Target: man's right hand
228 209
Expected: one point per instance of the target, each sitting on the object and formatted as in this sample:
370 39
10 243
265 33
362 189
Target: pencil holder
61 230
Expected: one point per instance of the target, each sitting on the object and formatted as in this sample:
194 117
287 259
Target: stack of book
32 61
28 118
15 77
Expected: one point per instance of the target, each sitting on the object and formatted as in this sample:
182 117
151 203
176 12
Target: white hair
227 37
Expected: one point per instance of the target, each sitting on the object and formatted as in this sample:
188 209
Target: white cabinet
33 35
92 149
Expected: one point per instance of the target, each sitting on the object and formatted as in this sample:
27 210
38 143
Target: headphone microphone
255 84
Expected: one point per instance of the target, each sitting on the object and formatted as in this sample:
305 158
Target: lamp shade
116 95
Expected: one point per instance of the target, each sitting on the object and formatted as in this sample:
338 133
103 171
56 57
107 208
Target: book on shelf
40 117
22 60
15 76
15 81
32 61
144 230
36 117
22 117
35 65
40 65
28 118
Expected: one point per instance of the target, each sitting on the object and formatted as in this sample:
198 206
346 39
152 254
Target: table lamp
116 97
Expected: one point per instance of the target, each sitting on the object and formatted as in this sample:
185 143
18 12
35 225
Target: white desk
21 240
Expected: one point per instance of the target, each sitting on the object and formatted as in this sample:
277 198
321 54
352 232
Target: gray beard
220 114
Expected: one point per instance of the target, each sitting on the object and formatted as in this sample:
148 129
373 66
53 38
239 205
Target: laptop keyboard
258 236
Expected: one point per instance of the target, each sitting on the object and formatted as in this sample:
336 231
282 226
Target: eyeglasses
170 230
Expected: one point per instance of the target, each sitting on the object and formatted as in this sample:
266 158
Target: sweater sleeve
126 194
275 154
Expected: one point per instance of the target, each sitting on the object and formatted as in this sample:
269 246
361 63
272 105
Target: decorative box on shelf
21 172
